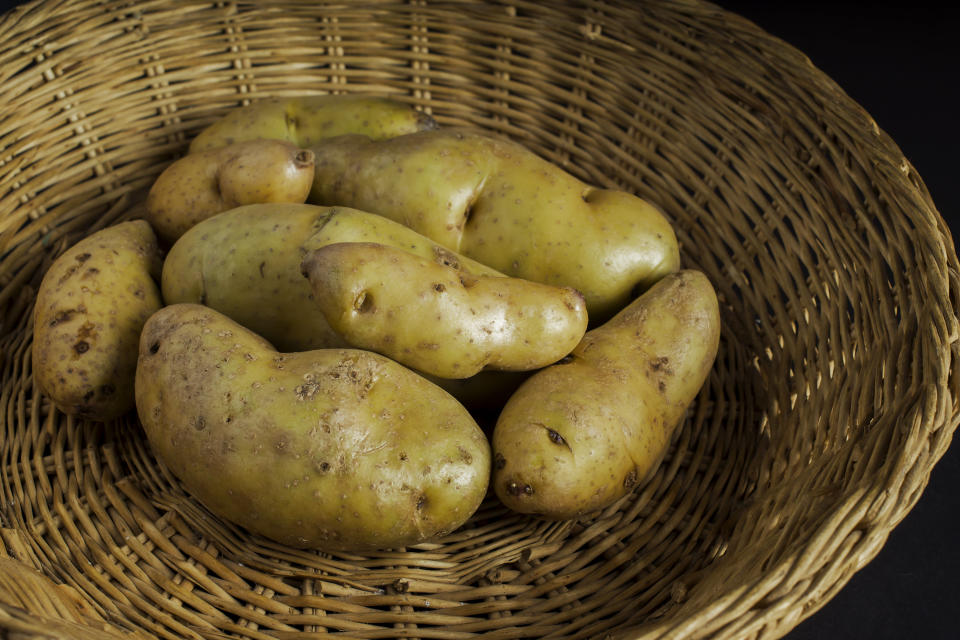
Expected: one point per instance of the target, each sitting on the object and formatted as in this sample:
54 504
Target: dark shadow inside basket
788 456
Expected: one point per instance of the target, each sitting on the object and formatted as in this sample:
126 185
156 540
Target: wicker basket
833 395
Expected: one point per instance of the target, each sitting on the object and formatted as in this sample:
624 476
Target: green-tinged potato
334 449
438 319
203 184
245 263
497 202
90 308
306 120
580 434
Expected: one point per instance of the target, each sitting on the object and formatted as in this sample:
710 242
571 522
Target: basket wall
833 394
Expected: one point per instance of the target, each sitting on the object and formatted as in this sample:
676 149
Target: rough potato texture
245 263
496 202
203 184
580 434
306 120
438 319
335 449
90 308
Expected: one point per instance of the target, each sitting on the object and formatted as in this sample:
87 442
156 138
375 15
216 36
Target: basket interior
831 398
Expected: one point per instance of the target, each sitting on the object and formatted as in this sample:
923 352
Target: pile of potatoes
326 292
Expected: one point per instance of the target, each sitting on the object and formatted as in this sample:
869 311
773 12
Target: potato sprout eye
363 303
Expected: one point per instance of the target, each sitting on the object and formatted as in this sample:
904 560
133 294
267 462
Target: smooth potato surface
90 308
334 449
306 120
438 319
498 203
580 434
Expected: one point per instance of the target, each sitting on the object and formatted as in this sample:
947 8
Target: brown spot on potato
154 348
200 423
62 316
439 288
445 257
81 347
631 480
660 364
499 462
83 257
304 158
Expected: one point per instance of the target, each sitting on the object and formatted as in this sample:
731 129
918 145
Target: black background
897 60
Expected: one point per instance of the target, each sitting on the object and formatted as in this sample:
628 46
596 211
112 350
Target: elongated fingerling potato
245 263
580 434
438 319
306 120
90 308
496 202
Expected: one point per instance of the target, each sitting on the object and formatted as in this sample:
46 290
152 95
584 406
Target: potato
439 319
306 120
500 204
203 184
334 449
580 434
90 307
245 263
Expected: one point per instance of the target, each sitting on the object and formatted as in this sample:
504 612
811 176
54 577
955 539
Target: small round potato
333 449
90 308
440 320
203 184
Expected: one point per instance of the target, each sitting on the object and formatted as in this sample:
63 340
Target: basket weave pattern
833 395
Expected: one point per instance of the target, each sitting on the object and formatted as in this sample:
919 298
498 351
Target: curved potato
90 307
580 434
306 120
438 319
500 204
203 184
334 449
245 263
